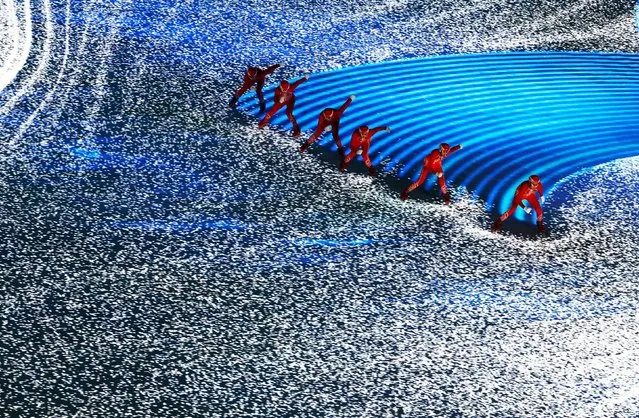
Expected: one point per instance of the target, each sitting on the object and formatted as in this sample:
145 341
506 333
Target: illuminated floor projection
162 256
516 114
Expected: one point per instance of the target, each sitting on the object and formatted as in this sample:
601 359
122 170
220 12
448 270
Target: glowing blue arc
582 106
554 151
477 130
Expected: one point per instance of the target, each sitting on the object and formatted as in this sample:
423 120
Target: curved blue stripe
563 128
555 151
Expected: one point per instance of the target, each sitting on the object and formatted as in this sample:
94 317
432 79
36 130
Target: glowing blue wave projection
516 114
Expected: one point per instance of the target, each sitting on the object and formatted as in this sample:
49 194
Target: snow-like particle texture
163 257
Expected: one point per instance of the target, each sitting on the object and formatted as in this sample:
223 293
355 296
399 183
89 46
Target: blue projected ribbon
517 114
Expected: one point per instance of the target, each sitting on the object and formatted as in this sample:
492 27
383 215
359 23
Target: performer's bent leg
239 94
260 95
537 208
349 157
320 128
337 139
415 185
272 111
505 215
367 159
290 105
509 212
442 186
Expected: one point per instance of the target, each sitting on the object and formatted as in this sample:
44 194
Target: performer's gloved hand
306 76
528 210
461 146
352 97
439 174
387 129
542 200
328 128
404 195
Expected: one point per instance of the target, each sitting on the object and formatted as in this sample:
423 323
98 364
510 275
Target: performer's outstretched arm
455 148
345 105
298 82
269 70
379 129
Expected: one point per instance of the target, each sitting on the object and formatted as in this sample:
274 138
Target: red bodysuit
525 191
254 76
284 96
433 164
362 138
329 118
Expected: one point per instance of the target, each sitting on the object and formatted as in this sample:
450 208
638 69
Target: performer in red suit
526 191
284 96
254 76
329 120
362 138
433 164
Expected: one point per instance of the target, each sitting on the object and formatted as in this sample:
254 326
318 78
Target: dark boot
262 107
371 171
497 225
540 227
404 195
447 198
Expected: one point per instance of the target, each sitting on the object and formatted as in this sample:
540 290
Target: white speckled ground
161 257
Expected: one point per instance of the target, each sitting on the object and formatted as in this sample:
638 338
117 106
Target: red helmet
328 114
285 85
363 130
444 149
251 72
534 179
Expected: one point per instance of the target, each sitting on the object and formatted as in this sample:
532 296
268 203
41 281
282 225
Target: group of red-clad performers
329 120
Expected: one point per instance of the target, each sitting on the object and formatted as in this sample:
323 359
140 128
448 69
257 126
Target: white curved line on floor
43 61
63 66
